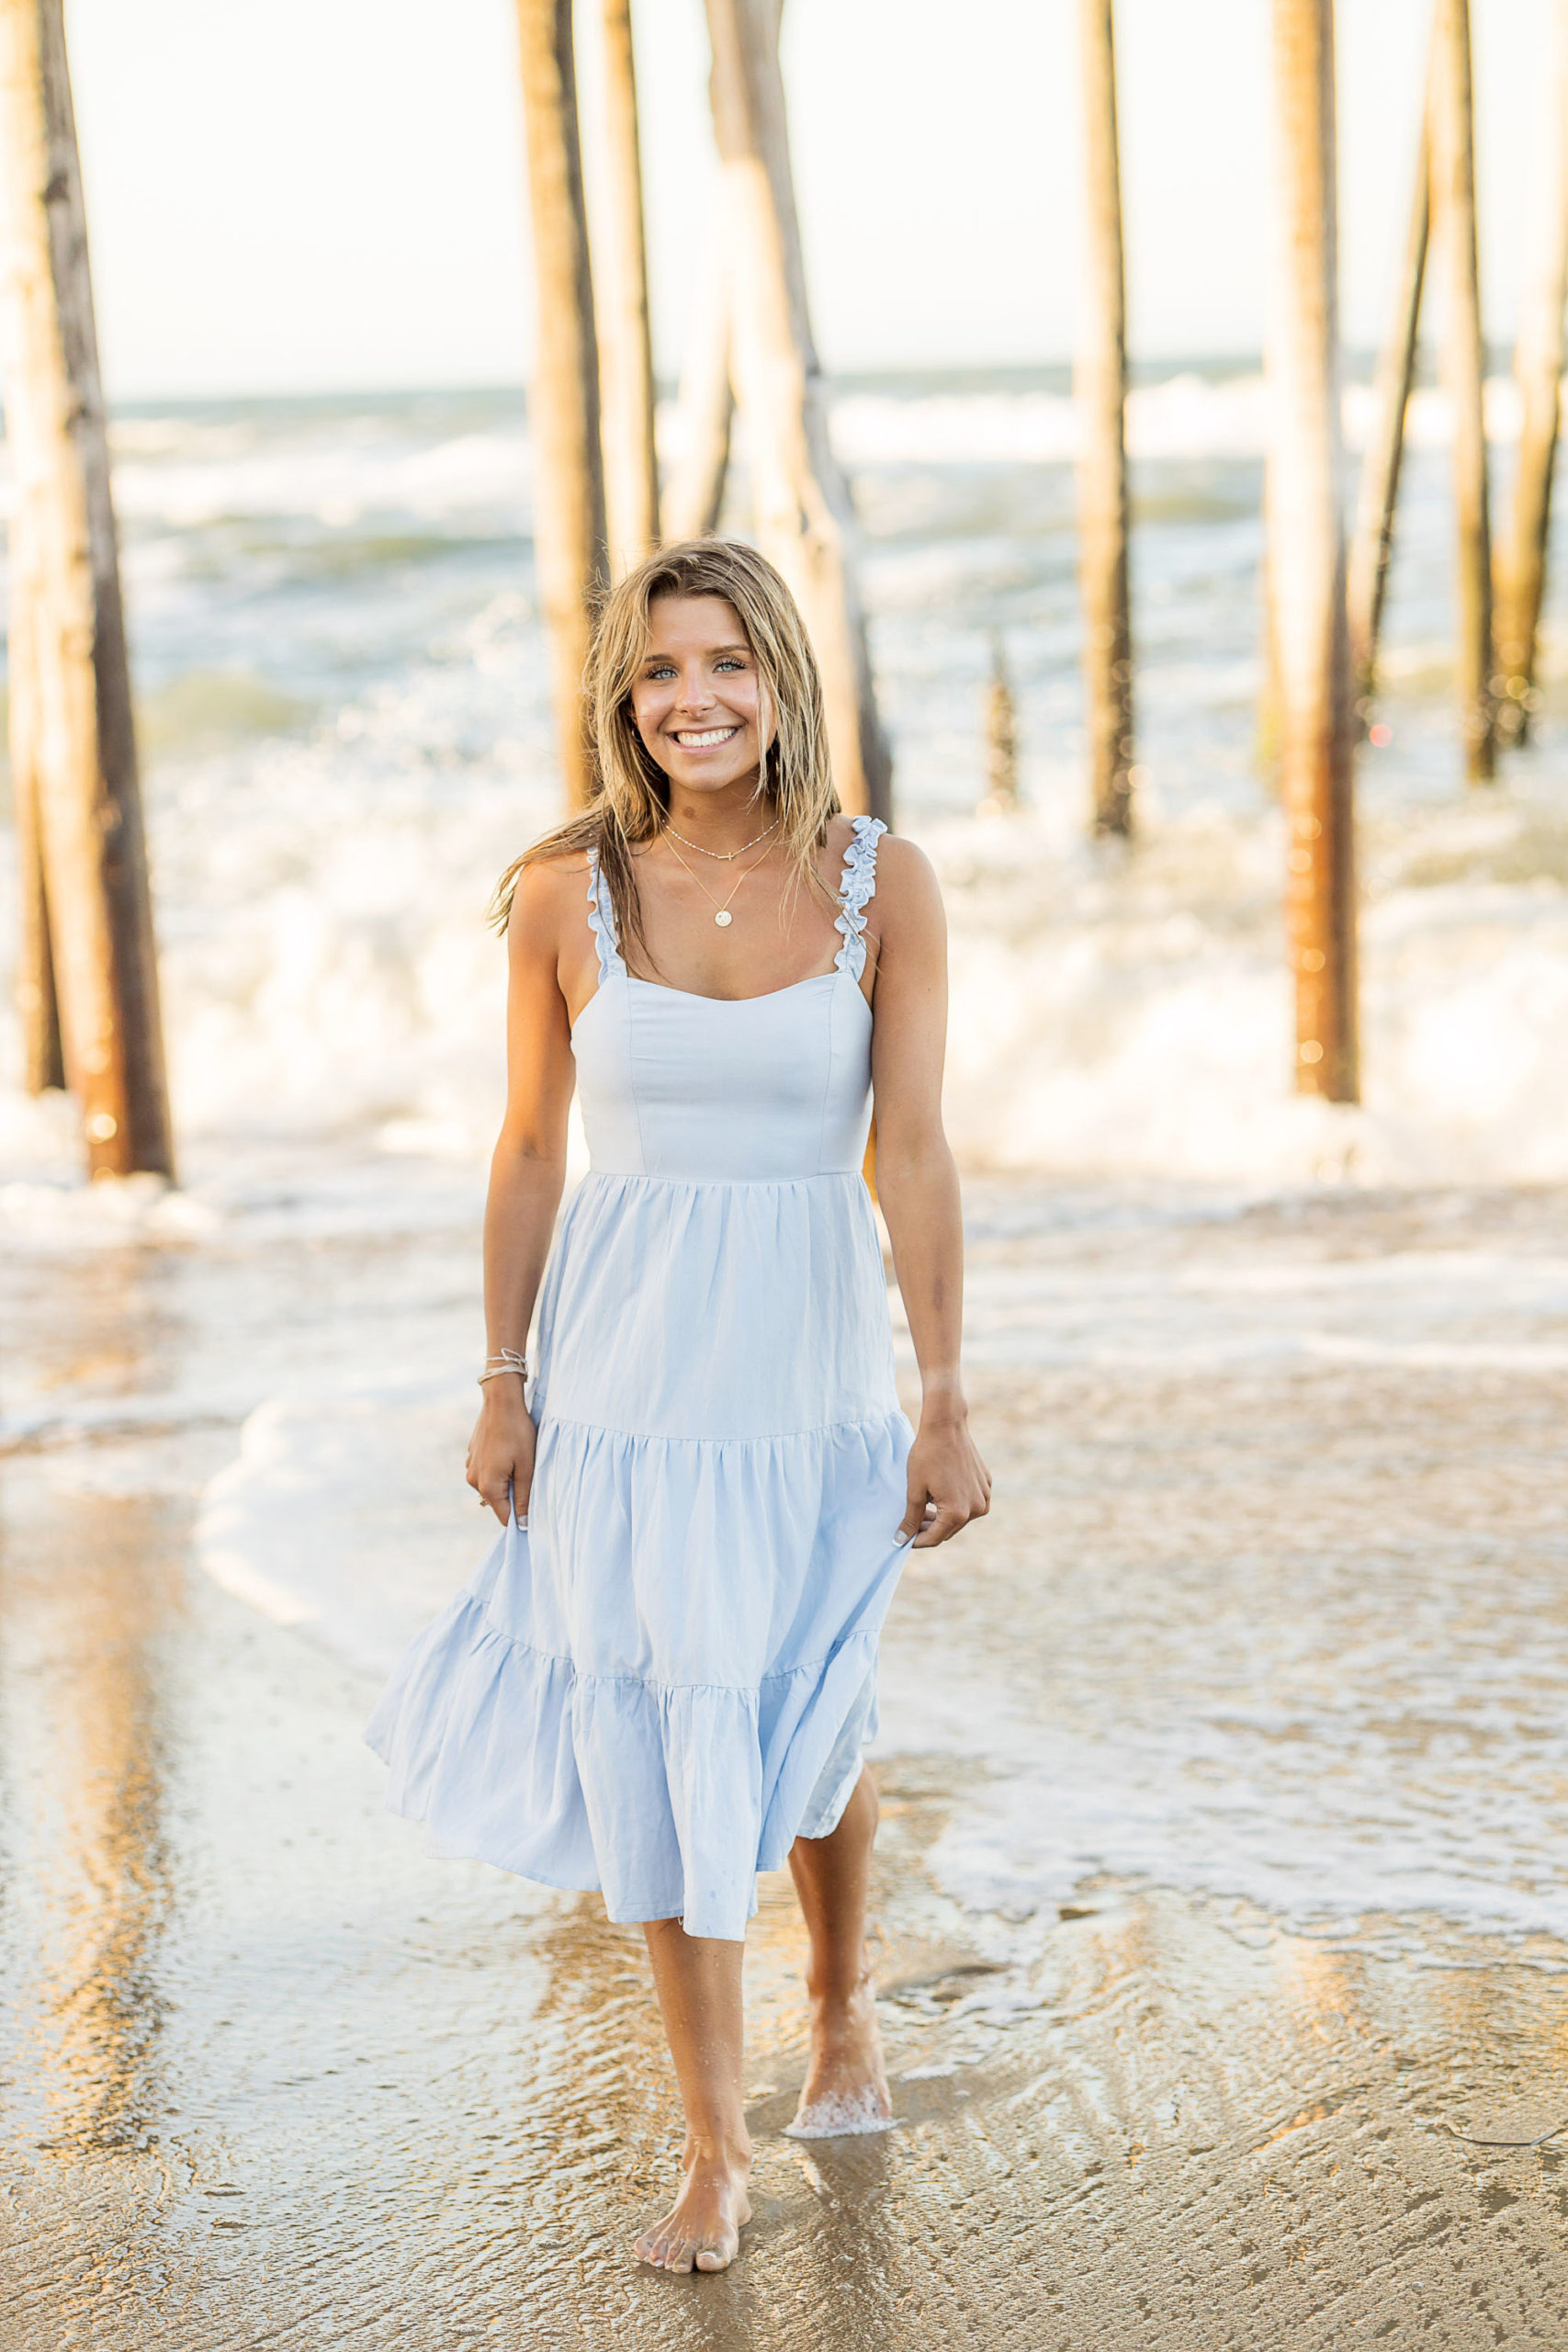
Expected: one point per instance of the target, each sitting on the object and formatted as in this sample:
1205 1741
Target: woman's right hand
500 1451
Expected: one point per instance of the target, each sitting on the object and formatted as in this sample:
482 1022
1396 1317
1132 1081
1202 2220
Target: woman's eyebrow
649 659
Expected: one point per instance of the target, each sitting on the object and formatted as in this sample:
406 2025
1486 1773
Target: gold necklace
723 917
726 856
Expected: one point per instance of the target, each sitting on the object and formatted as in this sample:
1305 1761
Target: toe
713 2257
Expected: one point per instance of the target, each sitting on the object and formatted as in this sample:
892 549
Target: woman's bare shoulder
907 885
558 862
548 889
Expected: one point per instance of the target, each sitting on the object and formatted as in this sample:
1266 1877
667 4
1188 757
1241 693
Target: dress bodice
740 1089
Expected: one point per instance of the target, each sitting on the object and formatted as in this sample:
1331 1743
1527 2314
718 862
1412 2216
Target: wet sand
274 2077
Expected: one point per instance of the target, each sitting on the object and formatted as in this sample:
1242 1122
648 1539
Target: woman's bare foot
846 2084
702 2229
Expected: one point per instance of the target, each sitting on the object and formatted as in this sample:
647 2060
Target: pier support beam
804 518
694 497
626 343
87 900
1537 371
1306 557
1371 544
1099 387
1451 122
568 476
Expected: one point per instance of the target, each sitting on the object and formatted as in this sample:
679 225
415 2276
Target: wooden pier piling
1538 370
1001 735
804 515
694 496
1306 557
569 478
1371 542
1099 388
1450 119
87 900
626 343
37 1004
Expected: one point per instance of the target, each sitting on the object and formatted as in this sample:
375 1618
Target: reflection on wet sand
84 1715
275 2077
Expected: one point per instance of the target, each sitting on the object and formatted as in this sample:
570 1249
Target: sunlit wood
569 481
1371 544
1538 370
805 520
1451 134
1306 557
625 344
74 745
694 495
1099 388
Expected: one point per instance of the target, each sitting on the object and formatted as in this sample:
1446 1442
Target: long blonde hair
630 802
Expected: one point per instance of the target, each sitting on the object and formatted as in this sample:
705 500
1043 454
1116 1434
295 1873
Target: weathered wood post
1099 388
1538 370
626 343
1001 734
38 1005
73 741
1307 557
1451 131
694 495
569 478
1371 543
804 514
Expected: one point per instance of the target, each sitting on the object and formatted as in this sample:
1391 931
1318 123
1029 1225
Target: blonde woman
659 1681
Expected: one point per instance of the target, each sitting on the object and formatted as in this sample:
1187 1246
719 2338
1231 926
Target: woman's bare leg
698 1979
846 2084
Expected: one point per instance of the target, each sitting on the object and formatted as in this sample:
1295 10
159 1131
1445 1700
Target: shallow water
1222 1774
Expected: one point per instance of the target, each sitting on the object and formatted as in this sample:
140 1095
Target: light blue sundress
664 1676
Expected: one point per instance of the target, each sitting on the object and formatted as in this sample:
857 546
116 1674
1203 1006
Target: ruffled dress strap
856 890
602 923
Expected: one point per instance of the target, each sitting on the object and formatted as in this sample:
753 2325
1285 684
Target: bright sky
328 193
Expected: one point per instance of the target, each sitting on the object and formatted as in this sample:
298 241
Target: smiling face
698 702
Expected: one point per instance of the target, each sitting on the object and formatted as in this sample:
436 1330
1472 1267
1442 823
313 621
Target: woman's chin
692 776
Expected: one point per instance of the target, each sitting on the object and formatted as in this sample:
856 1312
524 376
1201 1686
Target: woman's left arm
917 1188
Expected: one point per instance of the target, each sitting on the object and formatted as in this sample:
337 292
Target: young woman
659 1681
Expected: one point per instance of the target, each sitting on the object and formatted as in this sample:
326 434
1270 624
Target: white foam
345 1515
1185 416
839 2118
1121 1022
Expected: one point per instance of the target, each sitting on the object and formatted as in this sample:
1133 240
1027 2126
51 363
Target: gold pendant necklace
723 917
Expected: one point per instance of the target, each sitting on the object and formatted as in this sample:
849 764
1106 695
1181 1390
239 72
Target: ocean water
346 734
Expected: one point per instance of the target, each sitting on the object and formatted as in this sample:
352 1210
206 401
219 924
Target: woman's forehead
694 623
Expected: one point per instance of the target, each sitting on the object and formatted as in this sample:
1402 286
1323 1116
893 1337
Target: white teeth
696 742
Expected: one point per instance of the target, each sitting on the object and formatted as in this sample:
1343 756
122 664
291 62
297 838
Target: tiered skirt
666 1676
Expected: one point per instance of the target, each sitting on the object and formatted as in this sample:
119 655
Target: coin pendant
724 917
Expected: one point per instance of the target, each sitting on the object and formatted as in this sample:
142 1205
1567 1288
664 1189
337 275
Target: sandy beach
1219 1884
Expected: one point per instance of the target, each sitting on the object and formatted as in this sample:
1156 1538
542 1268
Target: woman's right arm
525 1178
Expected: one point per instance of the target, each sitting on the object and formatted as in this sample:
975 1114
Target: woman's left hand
949 1485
